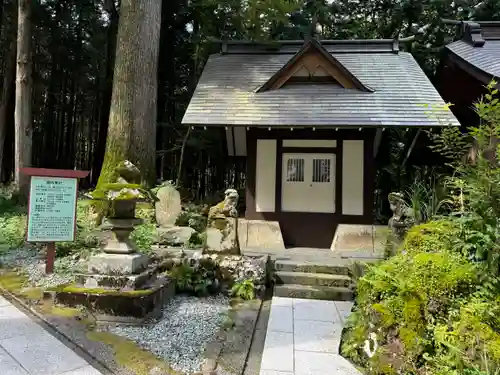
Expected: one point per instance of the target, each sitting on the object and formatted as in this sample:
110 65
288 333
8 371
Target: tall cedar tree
132 119
23 111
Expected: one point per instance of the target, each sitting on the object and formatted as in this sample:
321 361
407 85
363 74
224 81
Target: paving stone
4 302
46 355
14 322
9 366
314 336
87 370
282 301
270 372
281 319
304 309
311 363
278 352
344 308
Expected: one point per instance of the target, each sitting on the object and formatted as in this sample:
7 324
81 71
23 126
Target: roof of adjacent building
398 91
479 47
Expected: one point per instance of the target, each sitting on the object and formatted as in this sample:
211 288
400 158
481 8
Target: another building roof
479 47
228 90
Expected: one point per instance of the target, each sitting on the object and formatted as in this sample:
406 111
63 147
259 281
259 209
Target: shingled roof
479 48
396 92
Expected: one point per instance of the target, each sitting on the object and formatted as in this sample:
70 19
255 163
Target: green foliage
431 237
144 236
401 301
427 196
12 230
196 240
450 142
199 277
191 216
476 182
244 289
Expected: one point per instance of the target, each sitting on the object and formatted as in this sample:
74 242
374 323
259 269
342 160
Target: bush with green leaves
400 301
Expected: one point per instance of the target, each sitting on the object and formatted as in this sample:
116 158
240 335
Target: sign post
52 208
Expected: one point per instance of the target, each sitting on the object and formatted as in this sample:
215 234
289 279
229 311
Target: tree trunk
8 86
181 157
23 115
132 119
108 88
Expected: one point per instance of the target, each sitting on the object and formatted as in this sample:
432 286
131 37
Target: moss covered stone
102 291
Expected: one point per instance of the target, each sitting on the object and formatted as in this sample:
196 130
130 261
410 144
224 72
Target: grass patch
129 355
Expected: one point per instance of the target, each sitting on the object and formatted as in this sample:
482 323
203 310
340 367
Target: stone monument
222 228
168 207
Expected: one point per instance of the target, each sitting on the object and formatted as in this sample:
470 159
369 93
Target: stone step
340 268
329 293
319 279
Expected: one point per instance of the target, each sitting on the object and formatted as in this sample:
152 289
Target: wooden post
50 258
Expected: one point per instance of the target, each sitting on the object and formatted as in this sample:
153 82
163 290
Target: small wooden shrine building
309 116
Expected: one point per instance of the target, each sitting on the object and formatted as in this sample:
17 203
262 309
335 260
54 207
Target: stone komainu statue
402 218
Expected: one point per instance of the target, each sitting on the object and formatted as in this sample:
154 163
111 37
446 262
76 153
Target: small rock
174 236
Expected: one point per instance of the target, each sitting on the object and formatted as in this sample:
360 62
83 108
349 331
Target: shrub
400 301
434 236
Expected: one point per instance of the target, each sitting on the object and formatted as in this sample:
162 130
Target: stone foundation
260 234
362 238
134 307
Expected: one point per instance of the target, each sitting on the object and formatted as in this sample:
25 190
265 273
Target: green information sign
52 209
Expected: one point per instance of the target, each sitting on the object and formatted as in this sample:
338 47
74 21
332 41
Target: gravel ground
188 324
31 261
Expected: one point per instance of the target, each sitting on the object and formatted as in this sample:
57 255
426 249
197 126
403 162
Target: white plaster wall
265 179
352 177
309 143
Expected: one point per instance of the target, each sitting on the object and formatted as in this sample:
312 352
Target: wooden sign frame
54 173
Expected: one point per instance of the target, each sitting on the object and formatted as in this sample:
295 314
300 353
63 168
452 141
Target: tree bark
23 114
132 119
8 87
108 88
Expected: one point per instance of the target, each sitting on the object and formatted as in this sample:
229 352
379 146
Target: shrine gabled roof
388 88
479 49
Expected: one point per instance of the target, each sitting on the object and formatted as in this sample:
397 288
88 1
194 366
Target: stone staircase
304 279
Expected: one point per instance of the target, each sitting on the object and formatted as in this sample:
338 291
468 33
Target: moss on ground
129 355
102 291
16 284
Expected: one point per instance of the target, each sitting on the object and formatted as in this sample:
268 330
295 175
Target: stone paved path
303 338
27 349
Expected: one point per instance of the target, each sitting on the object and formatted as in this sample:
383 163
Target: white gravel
32 262
188 324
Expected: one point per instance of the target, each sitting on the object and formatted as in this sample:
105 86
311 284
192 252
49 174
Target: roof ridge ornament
472 33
